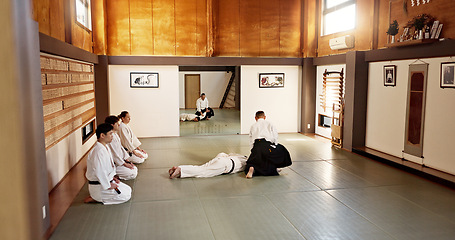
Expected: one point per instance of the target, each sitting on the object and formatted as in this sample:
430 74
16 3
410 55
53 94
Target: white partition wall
386 113
281 105
154 111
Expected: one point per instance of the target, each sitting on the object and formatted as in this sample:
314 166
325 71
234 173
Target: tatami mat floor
326 194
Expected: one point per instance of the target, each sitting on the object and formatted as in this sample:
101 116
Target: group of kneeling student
117 150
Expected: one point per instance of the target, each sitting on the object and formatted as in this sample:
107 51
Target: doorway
192 89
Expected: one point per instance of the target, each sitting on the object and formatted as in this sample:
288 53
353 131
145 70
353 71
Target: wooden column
355 100
308 96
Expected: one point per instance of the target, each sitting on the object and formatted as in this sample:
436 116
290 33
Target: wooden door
192 89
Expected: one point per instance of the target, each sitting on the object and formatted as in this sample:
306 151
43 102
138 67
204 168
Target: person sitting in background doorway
191 117
220 165
103 184
266 153
125 169
129 141
202 106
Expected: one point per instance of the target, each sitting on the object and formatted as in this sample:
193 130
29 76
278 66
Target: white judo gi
101 168
130 142
119 154
221 164
263 129
190 116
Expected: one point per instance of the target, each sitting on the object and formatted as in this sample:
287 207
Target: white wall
326 132
386 113
154 111
213 84
281 105
61 157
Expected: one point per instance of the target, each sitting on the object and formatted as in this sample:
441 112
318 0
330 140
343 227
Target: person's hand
116 180
208 110
128 165
138 154
113 186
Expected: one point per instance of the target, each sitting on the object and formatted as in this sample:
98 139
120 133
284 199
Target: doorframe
184 92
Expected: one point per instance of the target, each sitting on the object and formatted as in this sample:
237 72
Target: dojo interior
68 64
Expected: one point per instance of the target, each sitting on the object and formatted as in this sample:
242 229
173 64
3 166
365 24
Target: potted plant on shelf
393 30
419 22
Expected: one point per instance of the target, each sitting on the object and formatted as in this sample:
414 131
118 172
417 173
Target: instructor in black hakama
266 153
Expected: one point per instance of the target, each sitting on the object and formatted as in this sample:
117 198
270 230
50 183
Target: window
338 16
83 13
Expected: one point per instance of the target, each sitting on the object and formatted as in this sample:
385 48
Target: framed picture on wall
448 75
271 80
390 75
144 80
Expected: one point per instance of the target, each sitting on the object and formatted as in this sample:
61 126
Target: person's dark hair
103 128
122 114
111 119
260 114
202 94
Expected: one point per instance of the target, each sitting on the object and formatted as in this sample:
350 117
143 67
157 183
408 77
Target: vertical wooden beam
308 92
356 90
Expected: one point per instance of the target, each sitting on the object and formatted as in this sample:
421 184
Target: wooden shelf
412 42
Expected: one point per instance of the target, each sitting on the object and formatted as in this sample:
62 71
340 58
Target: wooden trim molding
54 46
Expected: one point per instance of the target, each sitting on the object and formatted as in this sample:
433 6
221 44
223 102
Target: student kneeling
104 186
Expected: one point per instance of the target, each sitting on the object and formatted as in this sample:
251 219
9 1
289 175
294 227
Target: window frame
326 11
88 9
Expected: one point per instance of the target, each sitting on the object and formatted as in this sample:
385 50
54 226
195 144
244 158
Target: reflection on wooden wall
250 28
68 97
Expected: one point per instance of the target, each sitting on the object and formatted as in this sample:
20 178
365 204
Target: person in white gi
202 106
104 186
263 129
129 140
191 117
222 164
124 168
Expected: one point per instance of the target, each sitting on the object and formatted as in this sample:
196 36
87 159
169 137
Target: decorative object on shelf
448 75
439 31
390 75
393 30
418 23
144 80
271 80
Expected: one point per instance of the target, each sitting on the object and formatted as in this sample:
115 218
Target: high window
83 13
338 16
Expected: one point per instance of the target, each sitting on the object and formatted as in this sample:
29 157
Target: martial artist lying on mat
266 153
125 168
191 117
103 185
129 140
222 164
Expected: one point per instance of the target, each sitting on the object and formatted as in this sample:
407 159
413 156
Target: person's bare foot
176 173
172 170
250 173
89 200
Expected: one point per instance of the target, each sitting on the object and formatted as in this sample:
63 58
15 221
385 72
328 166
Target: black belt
94 182
232 169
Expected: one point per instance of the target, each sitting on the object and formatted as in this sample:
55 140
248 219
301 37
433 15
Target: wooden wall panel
250 28
164 27
68 97
99 23
141 27
270 28
442 10
202 25
118 27
186 27
227 27
57 20
41 15
290 23
310 28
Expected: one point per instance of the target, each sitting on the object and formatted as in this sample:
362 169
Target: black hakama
266 157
